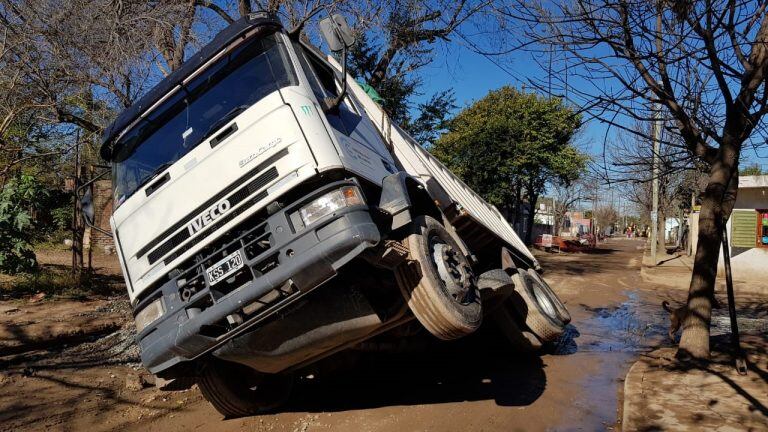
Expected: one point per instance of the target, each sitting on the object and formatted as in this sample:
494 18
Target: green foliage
432 120
753 169
428 120
58 281
62 217
19 200
508 145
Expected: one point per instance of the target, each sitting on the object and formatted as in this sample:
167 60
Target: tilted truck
268 215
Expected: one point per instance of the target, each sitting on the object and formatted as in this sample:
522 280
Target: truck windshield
197 110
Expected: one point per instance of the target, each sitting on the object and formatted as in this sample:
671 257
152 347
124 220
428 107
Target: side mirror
339 38
337 33
86 208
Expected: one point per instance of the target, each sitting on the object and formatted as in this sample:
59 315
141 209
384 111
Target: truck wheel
437 282
236 390
535 305
496 286
562 312
506 321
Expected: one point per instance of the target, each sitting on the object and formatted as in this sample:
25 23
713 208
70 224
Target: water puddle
637 324
632 326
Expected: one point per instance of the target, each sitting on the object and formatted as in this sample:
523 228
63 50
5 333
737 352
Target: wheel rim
454 274
543 300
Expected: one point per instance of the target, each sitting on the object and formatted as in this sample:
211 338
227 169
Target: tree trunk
518 205
717 202
530 219
661 243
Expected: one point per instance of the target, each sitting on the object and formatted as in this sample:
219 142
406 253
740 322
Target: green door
744 228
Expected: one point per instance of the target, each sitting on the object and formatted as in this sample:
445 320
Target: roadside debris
37 297
9 310
139 381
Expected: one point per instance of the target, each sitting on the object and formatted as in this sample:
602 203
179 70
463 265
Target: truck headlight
149 314
332 201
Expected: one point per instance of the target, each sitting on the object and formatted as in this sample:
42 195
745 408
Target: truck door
362 149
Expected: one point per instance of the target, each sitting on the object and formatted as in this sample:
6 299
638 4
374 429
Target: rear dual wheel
560 309
532 314
535 303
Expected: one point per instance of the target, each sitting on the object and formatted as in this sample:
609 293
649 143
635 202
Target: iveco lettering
249 258
208 216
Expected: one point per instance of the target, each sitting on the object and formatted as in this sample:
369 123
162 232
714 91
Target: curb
633 396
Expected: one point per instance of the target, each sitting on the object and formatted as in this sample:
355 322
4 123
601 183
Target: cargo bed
467 211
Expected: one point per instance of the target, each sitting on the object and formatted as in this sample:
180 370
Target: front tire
236 390
437 282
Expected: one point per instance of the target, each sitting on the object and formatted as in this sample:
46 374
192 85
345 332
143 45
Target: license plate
228 265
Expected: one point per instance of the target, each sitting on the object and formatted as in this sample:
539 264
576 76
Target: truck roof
225 37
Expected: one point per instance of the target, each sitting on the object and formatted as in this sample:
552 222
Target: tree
433 118
20 198
73 65
704 62
605 216
630 168
509 145
565 198
398 90
397 40
751 170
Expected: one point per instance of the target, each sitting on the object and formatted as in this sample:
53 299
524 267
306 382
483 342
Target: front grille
191 273
254 239
234 199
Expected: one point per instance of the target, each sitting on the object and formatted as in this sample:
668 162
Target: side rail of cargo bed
416 161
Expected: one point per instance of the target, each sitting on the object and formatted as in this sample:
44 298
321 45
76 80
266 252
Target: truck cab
261 228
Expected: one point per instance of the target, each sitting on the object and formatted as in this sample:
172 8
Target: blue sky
472 76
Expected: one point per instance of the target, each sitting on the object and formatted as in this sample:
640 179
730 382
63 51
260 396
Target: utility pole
76 251
655 212
624 211
554 216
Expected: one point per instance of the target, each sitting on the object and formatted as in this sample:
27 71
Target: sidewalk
659 395
674 271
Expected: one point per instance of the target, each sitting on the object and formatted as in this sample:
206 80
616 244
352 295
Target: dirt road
472 384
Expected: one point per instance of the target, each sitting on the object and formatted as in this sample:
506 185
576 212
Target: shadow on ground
438 373
663 393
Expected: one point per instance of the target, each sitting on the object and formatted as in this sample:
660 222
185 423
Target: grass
57 281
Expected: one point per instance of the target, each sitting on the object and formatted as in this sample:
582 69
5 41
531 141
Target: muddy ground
71 365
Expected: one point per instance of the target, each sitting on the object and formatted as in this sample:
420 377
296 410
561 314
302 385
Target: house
748 230
576 223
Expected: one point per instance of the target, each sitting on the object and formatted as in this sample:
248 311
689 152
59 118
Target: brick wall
102 203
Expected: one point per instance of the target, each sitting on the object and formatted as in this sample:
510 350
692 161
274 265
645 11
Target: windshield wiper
154 174
218 124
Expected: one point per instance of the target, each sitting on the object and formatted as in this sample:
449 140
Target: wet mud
476 383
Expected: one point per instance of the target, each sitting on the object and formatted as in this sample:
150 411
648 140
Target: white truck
268 215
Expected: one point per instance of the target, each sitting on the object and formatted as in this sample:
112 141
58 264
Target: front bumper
295 261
